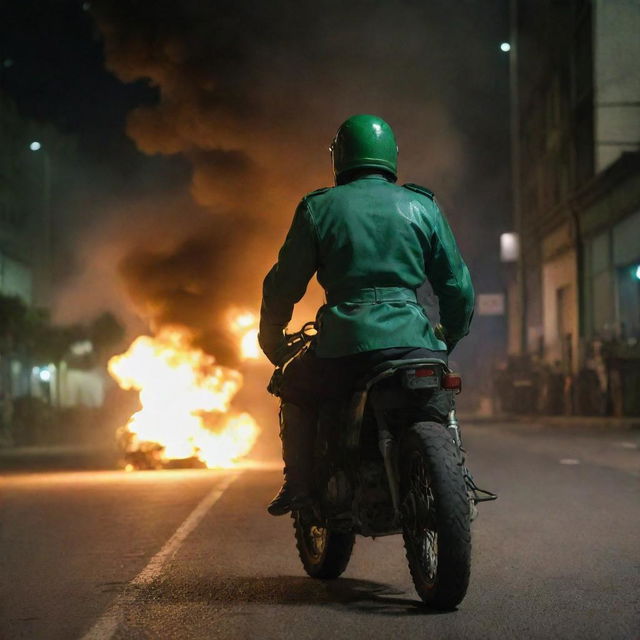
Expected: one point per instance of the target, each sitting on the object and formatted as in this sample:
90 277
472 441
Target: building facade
578 188
21 182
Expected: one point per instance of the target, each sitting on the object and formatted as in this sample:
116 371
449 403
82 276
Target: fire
244 324
185 399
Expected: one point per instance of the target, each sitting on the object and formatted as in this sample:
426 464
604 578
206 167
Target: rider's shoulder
317 192
419 189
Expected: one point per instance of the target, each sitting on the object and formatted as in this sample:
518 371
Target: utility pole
521 297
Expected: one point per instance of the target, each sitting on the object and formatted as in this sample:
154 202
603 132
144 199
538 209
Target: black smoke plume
250 95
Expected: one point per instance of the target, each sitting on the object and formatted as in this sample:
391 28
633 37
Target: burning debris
186 400
244 325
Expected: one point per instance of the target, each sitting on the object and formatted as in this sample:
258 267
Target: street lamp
505 46
45 276
509 247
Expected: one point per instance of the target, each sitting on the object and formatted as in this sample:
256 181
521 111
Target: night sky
200 124
56 73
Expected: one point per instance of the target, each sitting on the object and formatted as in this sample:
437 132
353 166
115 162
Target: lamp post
45 276
511 48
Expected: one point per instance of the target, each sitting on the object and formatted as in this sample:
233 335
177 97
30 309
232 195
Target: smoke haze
250 96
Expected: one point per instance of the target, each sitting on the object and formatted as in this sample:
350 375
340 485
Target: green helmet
364 141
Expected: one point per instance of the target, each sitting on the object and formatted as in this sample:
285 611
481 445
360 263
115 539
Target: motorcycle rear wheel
435 510
324 554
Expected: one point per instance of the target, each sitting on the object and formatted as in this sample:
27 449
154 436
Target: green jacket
372 244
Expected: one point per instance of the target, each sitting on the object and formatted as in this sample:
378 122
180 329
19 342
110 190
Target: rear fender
358 402
382 400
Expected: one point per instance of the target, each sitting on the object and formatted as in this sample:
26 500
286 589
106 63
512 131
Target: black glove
274 344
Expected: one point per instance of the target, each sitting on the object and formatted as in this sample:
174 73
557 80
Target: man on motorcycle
372 243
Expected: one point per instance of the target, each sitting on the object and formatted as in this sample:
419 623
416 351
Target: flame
244 324
185 399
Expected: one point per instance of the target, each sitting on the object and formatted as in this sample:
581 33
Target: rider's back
372 233
376 244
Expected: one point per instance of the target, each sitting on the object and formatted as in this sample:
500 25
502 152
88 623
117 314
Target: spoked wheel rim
315 540
420 520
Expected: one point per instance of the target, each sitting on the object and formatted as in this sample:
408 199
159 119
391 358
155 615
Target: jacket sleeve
450 279
287 280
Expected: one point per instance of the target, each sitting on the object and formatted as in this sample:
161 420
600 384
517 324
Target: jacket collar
371 176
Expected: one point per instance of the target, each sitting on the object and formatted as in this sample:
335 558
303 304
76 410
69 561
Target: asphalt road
190 554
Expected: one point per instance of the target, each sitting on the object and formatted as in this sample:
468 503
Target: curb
57 457
569 422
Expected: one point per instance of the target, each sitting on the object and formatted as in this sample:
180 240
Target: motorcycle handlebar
299 339
307 333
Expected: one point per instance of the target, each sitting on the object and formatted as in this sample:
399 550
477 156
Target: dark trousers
309 381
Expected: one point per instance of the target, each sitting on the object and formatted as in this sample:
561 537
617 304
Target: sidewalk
568 422
58 457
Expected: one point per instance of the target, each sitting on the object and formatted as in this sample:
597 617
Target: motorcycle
379 470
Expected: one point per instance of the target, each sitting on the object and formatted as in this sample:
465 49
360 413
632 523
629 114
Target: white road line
626 445
107 624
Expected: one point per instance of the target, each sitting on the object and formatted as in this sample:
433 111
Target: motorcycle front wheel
324 554
435 512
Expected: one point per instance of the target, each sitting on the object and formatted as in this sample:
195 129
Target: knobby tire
334 557
449 516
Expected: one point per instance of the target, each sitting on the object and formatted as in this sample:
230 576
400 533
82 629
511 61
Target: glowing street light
637 273
44 279
509 247
505 46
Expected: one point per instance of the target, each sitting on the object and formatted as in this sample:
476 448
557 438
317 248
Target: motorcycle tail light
422 378
452 381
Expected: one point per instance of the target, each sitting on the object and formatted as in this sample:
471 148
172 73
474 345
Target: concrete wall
559 296
616 49
82 388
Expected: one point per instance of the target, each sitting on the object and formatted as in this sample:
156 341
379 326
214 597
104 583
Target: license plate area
421 378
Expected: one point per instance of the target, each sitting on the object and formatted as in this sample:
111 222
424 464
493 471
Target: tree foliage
27 332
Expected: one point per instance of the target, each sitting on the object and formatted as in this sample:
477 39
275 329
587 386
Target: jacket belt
372 295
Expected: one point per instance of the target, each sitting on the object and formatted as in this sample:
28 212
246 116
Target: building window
628 287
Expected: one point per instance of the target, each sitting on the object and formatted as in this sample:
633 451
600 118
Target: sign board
490 304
